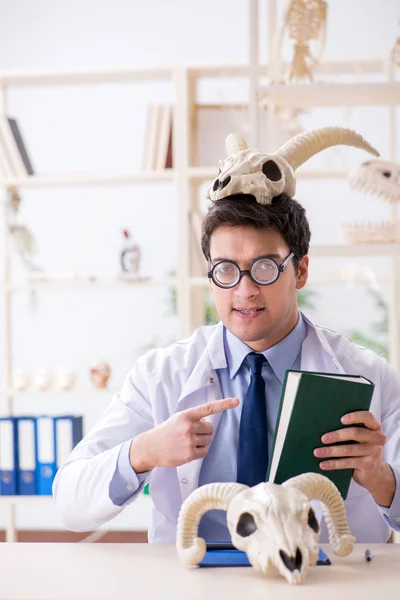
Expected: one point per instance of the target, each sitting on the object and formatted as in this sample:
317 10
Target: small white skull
43 380
65 379
21 380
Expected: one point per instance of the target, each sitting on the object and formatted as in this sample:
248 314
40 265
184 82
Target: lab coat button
129 487
212 380
184 480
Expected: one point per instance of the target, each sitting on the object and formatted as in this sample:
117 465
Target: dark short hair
284 215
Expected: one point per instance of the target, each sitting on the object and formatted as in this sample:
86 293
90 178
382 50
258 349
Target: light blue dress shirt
221 461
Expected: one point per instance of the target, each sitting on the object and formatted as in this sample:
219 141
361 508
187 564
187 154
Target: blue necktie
253 435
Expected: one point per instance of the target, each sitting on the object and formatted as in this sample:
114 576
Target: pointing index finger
211 408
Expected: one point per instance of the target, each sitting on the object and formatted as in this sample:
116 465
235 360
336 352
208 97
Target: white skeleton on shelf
274 524
395 53
248 171
304 21
381 178
24 241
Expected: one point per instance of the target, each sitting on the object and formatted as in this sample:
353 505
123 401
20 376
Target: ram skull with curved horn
274 524
264 176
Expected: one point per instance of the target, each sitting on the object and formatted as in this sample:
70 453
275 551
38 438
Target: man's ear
302 273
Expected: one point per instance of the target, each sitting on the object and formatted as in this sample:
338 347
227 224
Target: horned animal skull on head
274 524
264 176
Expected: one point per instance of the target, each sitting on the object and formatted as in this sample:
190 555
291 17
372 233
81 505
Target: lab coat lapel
316 354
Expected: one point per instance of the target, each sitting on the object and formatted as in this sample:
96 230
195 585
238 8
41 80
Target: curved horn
319 487
191 549
303 146
235 143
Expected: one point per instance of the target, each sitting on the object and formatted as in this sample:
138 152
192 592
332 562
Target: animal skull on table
274 524
264 176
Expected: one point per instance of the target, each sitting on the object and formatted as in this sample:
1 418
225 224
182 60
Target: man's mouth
248 311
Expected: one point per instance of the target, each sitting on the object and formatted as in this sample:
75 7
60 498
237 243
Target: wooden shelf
142 500
78 179
332 251
337 250
4 500
56 392
356 66
60 285
83 76
332 94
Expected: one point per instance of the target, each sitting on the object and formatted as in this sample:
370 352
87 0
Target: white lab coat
183 375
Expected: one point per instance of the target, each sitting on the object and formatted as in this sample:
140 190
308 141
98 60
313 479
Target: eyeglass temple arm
286 262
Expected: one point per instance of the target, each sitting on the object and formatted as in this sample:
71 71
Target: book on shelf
311 405
158 145
15 161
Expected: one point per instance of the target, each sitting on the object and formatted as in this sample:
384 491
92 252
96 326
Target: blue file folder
26 451
45 455
8 457
226 555
68 431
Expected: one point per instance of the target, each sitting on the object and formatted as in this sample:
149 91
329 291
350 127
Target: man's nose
246 287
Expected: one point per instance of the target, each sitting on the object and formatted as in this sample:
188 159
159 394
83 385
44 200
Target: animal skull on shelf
43 380
100 372
381 178
21 379
65 379
274 524
264 176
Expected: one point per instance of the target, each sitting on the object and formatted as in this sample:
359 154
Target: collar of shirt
281 356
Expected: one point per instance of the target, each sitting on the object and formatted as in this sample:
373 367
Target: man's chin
247 332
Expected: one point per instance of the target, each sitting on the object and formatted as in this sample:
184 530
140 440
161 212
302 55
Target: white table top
153 572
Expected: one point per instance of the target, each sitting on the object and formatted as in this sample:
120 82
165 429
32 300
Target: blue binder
45 455
26 436
226 555
68 431
8 457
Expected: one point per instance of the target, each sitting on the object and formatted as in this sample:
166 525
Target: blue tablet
224 554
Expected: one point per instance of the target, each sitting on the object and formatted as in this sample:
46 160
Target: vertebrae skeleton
304 20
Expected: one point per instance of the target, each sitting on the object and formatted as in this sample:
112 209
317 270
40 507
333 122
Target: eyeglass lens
263 271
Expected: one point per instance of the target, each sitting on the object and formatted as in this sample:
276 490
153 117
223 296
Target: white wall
101 128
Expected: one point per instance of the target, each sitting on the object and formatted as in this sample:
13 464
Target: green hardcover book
312 404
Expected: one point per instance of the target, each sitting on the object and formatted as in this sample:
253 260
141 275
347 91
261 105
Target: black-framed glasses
263 271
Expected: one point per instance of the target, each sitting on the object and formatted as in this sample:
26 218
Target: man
182 418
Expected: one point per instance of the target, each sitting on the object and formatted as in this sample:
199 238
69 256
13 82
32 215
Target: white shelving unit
186 176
